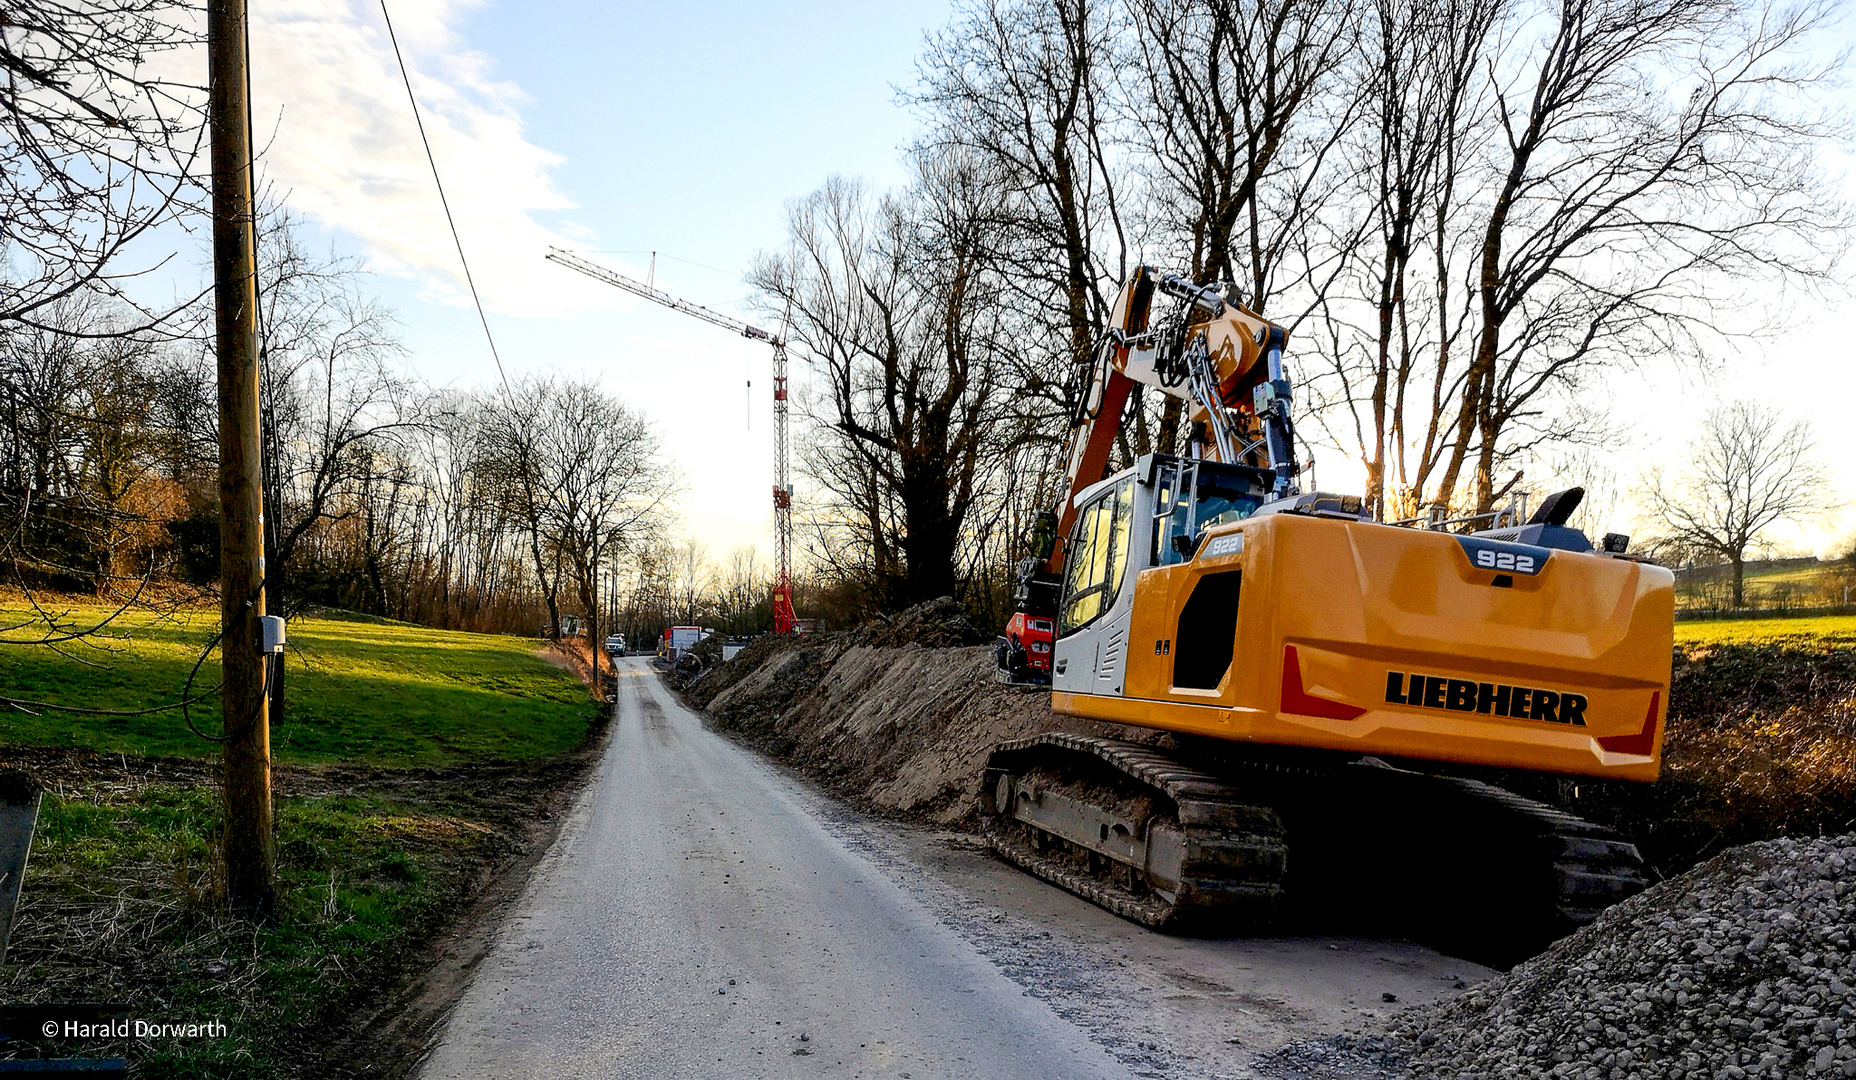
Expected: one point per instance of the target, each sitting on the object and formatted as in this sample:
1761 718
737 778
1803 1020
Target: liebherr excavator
1323 673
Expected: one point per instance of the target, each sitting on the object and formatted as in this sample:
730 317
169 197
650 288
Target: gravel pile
1739 968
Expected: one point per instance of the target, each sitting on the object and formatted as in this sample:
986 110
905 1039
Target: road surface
696 919
705 913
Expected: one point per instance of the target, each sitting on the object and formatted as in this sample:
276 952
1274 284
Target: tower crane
782 484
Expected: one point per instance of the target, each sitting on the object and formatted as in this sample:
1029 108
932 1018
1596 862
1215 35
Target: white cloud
346 150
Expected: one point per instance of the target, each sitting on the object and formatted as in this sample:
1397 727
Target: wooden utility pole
249 848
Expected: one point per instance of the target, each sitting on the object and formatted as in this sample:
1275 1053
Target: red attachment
1297 700
1643 743
779 388
1035 634
782 498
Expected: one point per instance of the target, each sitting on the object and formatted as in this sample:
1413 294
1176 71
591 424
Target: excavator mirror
1185 545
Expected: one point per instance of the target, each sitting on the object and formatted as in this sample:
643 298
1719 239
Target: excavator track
1135 831
1345 842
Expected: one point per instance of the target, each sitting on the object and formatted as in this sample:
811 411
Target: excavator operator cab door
1107 547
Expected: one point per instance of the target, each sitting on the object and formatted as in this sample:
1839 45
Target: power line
446 203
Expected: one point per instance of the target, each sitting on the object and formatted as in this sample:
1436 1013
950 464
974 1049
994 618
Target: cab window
1098 554
1220 494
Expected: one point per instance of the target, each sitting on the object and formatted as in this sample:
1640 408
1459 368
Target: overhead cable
443 201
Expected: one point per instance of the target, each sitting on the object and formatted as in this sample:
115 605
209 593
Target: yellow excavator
1333 684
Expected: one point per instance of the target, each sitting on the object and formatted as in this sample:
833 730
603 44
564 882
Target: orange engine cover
1361 637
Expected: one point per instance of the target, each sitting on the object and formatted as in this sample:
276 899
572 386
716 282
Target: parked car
616 644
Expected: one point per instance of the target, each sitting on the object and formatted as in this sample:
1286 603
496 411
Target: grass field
1829 631
362 691
1769 585
349 885
446 749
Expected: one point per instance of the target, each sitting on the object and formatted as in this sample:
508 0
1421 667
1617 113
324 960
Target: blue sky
610 128
685 129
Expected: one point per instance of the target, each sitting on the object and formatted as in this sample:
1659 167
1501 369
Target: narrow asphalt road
694 919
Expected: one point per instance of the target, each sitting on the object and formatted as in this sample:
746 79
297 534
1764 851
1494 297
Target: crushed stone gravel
1741 968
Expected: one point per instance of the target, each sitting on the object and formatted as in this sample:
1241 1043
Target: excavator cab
1191 496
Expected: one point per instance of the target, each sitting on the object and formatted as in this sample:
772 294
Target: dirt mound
891 714
932 625
708 651
1740 968
936 624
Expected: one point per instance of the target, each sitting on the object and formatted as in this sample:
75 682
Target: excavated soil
897 716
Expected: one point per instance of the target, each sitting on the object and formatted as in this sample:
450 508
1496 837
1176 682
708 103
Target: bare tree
508 461
1556 191
1616 206
898 302
1236 111
93 469
606 488
1748 469
97 146
1394 364
743 599
1021 92
692 581
330 398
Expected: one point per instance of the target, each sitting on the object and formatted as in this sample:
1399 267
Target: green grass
1768 585
120 902
354 872
373 692
1821 631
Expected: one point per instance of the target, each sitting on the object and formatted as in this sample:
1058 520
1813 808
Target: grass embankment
413 765
361 691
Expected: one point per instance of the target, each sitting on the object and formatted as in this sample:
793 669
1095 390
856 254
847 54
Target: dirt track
896 950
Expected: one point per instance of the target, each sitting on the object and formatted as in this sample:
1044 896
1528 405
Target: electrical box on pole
783 620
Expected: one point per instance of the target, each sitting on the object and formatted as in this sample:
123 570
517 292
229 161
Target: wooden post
249 847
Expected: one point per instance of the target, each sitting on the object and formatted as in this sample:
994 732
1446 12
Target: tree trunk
930 542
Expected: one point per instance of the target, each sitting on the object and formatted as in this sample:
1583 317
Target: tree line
496 509
1466 214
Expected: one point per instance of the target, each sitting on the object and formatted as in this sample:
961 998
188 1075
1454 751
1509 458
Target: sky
612 129
620 129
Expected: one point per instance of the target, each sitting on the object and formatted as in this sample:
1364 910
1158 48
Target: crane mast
783 620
